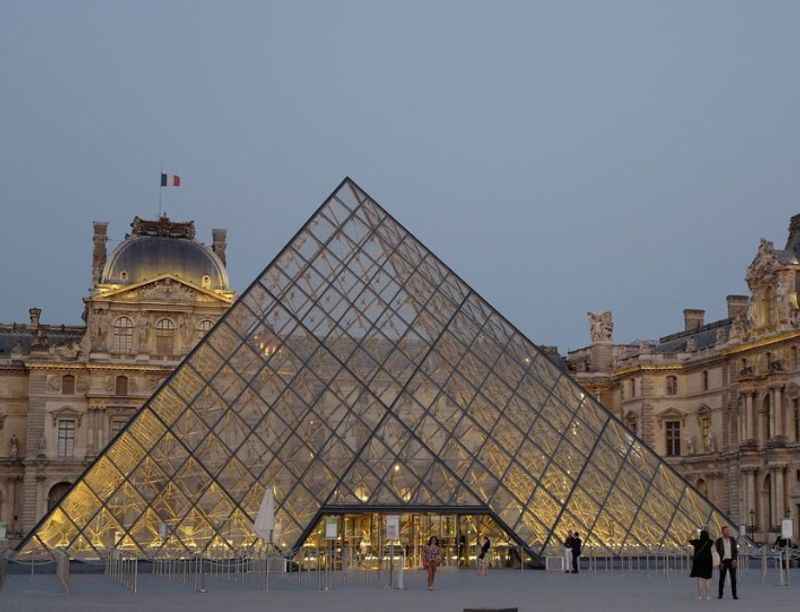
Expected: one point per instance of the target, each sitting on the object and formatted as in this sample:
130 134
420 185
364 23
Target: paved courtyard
529 591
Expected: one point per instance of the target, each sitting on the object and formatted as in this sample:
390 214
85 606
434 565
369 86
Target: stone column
780 421
750 416
41 506
778 504
740 410
751 491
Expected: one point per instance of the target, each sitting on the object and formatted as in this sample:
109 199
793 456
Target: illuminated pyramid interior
358 371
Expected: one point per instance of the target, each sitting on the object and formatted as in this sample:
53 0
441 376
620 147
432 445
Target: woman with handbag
703 564
431 555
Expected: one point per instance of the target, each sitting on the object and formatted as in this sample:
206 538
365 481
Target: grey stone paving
529 591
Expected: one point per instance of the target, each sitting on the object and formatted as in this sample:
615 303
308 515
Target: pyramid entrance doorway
361 537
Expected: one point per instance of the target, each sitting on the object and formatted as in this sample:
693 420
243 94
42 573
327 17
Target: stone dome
162 247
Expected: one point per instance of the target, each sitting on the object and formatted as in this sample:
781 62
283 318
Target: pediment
66 413
671 414
165 288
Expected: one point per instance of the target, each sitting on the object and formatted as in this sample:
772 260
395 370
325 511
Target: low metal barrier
123 570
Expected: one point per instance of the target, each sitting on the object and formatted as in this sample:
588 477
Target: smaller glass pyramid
359 371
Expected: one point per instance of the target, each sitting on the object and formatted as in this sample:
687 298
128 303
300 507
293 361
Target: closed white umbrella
265 519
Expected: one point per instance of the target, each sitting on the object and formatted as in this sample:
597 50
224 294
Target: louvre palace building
719 400
66 390
358 375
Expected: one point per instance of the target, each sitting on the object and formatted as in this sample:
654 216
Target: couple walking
708 555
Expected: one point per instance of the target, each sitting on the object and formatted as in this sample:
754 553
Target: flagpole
160 191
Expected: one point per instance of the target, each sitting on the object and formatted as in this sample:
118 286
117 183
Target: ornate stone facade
720 400
65 390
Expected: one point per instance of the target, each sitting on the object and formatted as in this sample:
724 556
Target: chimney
693 318
219 243
36 314
737 305
99 252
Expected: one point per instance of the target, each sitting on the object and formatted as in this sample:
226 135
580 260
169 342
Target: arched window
672 385
56 494
121 387
68 384
122 341
165 337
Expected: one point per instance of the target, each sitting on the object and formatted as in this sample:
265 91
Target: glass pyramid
359 371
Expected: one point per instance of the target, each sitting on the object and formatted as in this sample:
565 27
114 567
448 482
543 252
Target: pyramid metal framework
358 371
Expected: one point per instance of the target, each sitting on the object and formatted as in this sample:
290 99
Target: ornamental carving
764 265
601 326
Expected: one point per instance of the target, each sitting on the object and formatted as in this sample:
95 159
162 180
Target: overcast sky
560 156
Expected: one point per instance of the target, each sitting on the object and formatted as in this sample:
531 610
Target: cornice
101 367
107 291
756 344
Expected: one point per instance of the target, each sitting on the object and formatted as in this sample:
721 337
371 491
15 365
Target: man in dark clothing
576 551
728 553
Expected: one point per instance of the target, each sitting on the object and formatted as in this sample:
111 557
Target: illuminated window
672 385
121 387
66 437
122 335
165 337
673 439
68 385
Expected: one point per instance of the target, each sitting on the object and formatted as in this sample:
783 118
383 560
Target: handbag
715 560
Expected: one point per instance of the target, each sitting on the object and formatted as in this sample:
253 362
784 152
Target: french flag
170 180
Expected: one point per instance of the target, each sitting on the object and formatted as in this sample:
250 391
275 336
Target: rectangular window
705 432
164 345
673 438
116 426
66 437
796 410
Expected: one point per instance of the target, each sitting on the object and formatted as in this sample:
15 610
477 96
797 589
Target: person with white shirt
728 553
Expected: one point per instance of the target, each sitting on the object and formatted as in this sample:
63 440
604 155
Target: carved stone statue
691 345
690 445
13 447
601 326
711 443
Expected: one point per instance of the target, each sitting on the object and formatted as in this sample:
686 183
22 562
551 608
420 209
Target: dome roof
162 247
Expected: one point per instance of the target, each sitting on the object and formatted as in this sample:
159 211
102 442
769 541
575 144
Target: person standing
483 557
702 564
576 547
728 553
568 553
431 556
